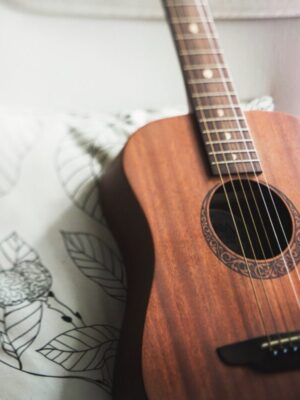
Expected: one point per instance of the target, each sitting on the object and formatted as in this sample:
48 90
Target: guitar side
183 303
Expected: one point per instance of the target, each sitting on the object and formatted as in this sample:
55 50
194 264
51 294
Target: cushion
62 279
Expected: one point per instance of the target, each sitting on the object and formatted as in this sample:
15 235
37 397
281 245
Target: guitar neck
222 124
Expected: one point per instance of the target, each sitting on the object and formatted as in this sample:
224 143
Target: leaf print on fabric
81 157
85 349
20 326
98 262
14 250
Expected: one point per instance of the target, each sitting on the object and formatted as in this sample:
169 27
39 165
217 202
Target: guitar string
255 200
274 322
272 286
284 319
207 11
221 73
237 230
259 214
283 315
249 237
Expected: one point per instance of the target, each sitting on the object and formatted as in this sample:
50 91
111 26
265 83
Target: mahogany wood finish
183 302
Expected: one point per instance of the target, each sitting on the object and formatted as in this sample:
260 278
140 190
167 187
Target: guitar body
184 302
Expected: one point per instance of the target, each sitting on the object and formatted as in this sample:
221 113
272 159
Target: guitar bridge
276 353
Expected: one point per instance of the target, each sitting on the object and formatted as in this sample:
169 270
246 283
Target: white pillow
62 282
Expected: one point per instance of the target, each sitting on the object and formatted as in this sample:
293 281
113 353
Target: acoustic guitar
205 208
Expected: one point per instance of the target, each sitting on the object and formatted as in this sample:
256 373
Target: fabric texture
62 280
222 9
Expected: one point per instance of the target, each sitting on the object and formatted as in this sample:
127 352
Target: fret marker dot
193 28
208 73
220 112
234 156
227 135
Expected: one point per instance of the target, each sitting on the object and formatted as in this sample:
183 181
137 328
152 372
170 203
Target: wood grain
183 302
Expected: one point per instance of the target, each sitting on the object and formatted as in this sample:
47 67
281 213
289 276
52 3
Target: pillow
62 280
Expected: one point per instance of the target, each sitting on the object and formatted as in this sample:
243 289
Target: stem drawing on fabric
25 295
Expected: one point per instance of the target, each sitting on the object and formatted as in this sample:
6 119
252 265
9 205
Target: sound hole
257 224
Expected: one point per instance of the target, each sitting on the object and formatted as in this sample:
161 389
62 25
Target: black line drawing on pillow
25 296
98 262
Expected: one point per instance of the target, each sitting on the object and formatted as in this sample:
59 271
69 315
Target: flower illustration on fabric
82 351
26 281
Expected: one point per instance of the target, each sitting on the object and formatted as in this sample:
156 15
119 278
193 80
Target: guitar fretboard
226 136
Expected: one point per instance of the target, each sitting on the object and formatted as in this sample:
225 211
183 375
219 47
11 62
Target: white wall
94 64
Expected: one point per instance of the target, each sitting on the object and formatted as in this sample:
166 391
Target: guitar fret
212 142
234 162
212 153
240 130
201 67
211 94
204 81
216 107
222 119
204 52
